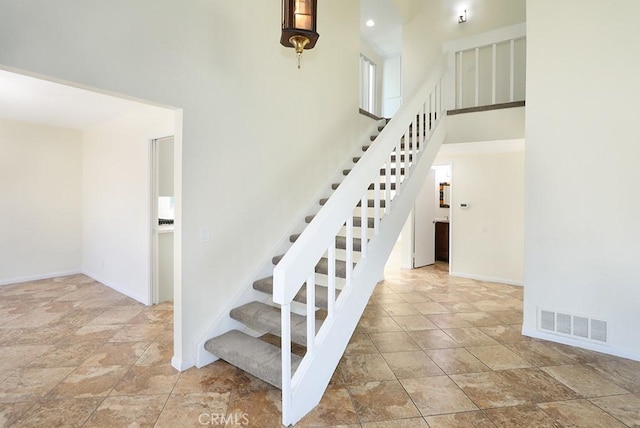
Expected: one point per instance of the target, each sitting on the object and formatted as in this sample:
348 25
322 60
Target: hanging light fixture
299 19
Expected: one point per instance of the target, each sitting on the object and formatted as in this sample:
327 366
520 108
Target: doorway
418 240
162 219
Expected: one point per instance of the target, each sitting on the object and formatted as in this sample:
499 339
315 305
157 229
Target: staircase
262 359
322 283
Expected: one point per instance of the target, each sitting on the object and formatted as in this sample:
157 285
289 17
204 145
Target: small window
367 85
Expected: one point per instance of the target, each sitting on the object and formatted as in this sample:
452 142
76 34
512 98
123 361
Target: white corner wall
260 137
116 197
41 202
582 229
487 238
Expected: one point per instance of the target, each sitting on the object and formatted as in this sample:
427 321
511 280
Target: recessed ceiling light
370 23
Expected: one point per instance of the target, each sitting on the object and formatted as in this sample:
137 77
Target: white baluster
443 94
311 313
416 132
414 149
494 72
477 77
331 274
376 207
364 215
430 100
512 72
436 92
387 176
285 320
460 74
349 261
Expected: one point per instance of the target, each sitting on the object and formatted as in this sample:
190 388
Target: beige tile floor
430 351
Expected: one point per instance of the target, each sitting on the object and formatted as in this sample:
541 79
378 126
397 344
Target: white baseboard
29 278
180 365
142 299
605 349
487 278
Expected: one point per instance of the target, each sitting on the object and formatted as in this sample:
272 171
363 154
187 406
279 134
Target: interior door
424 252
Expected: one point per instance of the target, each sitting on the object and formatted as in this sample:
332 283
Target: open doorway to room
162 219
106 167
442 218
425 238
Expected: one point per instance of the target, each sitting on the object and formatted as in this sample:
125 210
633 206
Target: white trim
487 278
38 277
605 349
153 212
180 365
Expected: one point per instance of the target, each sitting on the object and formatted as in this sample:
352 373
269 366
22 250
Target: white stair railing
416 132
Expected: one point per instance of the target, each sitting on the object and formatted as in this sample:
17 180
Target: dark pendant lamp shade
299 20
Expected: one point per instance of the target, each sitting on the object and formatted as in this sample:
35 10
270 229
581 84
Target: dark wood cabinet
442 241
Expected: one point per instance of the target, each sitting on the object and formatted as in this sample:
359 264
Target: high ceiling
29 99
386 35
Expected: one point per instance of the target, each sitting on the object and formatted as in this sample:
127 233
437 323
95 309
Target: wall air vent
599 330
548 320
578 327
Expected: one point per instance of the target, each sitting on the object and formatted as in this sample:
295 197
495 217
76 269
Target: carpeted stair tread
391 172
357 221
383 186
382 171
254 356
341 242
402 158
402 145
262 317
370 202
356 159
323 266
265 285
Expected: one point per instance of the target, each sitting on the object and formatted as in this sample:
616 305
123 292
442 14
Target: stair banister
415 123
292 271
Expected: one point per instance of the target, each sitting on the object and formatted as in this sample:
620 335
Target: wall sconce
462 17
299 18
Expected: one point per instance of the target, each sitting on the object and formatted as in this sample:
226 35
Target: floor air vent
573 325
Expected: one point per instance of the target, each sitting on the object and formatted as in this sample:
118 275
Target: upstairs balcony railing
487 69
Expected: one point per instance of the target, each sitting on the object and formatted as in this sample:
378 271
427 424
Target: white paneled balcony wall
487 69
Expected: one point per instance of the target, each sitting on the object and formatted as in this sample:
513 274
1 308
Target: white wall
41 200
372 54
165 167
259 135
391 85
490 125
582 175
117 199
487 239
435 22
